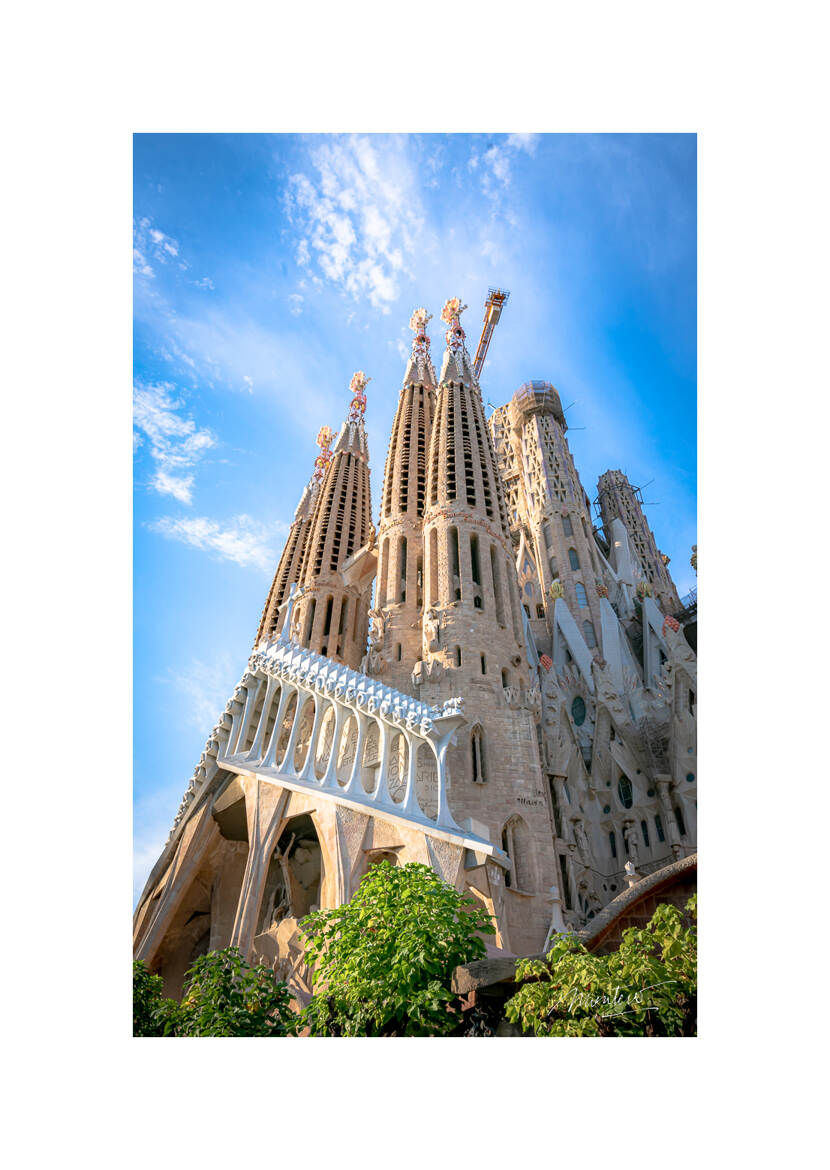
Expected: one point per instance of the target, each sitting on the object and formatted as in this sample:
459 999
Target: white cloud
206 688
242 540
296 300
176 444
360 216
527 142
149 243
249 383
205 282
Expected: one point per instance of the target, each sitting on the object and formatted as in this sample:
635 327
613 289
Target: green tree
646 988
225 996
152 1013
383 961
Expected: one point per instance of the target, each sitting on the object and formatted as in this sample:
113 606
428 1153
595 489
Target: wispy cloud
205 688
241 539
176 443
359 216
152 245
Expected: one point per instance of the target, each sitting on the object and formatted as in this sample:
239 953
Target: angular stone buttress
520 716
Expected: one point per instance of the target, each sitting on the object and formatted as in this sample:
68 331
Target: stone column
264 808
664 784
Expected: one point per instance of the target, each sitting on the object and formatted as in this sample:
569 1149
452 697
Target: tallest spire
456 366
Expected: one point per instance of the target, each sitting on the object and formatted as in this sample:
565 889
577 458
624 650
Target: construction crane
493 306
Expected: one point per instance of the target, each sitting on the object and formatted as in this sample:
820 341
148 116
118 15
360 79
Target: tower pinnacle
420 369
456 366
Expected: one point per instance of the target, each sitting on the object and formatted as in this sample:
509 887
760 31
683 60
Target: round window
626 792
578 710
690 779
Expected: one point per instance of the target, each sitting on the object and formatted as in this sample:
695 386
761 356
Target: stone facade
520 714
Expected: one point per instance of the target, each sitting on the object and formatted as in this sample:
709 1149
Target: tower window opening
419 582
644 831
458 656
402 569
475 566
477 755
494 570
344 610
658 824
567 526
691 701
483 664
309 624
612 841
455 577
540 611
590 635
573 559
327 622
398 651
581 595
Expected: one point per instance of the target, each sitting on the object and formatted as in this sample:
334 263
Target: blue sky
268 268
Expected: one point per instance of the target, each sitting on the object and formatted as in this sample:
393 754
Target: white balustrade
283 670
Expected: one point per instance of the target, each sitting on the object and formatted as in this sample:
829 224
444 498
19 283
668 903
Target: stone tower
618 500
474 645
330 614
548 510
399 598
292 562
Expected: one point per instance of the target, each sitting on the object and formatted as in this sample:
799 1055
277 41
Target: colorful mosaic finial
420 342
450 315
357 386
324 438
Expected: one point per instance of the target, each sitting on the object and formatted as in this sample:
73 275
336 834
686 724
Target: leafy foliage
646 988
151 1011
225 996
385 959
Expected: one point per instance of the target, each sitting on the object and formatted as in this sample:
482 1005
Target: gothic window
612 841
477 754
590 636
581 595
515 843
678 816
402 570
644 830
574 559
658 824
455 577
626 792
458 656
309 622
578 710
567 526
398 651
526 608
554 572
540 611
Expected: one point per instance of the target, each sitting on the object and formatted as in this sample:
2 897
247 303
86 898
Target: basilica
497 680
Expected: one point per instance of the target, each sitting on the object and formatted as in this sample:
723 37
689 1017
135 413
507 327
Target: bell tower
330 614
292 562
399 599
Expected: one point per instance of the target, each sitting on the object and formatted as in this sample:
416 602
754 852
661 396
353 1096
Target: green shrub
225 996
152 1013
384 960
646 988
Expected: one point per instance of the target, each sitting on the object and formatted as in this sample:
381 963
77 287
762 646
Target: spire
456 366
420 369
352 435
292 562
331 610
